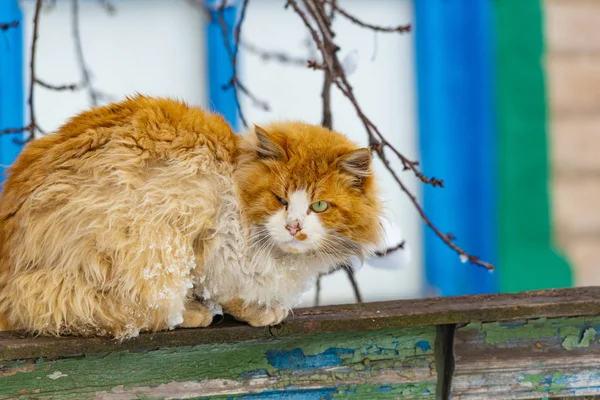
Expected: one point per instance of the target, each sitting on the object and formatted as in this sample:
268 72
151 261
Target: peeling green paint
556 387
572 341
552 383
568 329
534 378
386 350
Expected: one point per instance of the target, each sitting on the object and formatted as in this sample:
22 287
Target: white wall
157 47
384 83
154 47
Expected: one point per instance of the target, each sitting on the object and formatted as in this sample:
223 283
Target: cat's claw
196 315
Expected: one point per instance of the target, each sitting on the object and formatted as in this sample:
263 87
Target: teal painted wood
528 359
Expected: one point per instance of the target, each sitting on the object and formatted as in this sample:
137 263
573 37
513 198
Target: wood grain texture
524 359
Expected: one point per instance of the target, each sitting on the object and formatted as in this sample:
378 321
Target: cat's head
306 190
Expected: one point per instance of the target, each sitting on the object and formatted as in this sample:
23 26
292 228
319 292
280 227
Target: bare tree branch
324 41
327 120
94 94
377 28
32 128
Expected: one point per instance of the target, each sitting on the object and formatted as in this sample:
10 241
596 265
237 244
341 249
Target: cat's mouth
295 246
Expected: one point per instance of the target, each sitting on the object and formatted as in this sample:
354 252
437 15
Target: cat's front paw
254 314
268 317
196 315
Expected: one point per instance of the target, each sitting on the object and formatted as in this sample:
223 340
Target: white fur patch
297 213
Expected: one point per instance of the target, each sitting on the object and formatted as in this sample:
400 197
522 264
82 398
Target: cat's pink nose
293 228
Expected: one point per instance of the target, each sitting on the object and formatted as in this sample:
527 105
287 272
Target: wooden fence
532 345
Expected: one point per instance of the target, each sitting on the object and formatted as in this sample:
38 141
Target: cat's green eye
319 206
282 200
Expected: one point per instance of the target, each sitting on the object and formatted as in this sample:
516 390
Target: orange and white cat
122 219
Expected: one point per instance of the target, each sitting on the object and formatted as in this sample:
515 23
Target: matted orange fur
122 219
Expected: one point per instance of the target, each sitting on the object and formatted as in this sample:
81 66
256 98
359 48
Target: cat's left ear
267 147
356 163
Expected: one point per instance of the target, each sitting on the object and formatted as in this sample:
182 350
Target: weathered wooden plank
527 359
388 363
344 318
370 351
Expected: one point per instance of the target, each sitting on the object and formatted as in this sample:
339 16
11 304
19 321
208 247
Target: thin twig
272 55
350 273
377 28
389 250
318 291
263 105
347 267
238 29
71 86
5 27
15 130
108 6
94 95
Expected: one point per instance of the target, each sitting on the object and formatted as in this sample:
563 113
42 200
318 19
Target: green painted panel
527 259
528 359
347 364
568 333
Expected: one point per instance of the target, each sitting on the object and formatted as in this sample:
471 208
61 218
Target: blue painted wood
11 83
457 138
220 70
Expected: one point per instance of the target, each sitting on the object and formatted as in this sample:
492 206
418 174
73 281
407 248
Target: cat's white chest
281 281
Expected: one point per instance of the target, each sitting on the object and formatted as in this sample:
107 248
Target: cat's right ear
267 147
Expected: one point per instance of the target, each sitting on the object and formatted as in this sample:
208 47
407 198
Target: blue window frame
11 83
454 64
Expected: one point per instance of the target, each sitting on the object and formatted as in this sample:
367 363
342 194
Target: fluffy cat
122 219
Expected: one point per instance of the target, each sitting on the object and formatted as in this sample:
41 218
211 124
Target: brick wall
573 78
